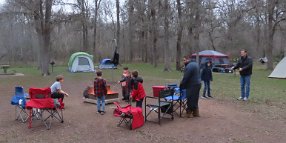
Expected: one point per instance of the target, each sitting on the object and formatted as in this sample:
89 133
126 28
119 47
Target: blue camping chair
179 98
19 101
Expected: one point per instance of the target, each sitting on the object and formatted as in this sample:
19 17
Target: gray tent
280 70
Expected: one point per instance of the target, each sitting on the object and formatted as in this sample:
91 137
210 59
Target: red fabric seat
39 92
132 116
40 99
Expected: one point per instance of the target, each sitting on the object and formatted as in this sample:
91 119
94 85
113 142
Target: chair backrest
183 94
173 85
19 91
166 92
40 93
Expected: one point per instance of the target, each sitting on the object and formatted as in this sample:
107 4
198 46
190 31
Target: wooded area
152 31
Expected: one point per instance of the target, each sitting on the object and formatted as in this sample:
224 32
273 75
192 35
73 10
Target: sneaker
245 99
98 112
240 98
210 96
102 112
204 97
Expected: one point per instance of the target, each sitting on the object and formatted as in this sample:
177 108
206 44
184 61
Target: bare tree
275 15
167 66
42 16
84 21
154 33
179 35
131 28
118 24
96 11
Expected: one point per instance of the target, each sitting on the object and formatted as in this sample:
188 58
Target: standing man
192 83
244 65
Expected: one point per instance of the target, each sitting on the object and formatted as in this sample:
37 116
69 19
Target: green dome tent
81 62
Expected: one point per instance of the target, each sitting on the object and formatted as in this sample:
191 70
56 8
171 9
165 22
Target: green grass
225 86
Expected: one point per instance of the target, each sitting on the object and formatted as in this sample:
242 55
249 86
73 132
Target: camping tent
106 64
280 70
81 62
214 56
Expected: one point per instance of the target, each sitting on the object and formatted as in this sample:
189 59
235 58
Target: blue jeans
207 88
245 85
100 103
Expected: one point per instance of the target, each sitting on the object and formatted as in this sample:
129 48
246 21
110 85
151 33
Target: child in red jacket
138 92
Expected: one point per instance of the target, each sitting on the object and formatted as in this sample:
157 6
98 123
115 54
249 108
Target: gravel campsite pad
220 122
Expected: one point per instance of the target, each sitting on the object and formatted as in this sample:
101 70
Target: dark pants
58 95
193 94
125 93
139 103
207 88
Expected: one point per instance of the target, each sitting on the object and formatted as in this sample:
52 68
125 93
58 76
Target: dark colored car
222 68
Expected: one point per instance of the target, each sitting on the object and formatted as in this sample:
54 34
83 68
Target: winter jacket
246 64
99 87
139 93
134 81
191 75
207 73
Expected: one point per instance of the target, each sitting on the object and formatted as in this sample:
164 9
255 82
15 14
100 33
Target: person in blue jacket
192 83
207 77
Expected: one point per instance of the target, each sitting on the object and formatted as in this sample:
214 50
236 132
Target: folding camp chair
161 106
179 100
19 101
131 116
42 104
124 113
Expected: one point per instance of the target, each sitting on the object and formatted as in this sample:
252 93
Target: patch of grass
225 86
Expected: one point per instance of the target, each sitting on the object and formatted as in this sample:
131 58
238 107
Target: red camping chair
131 116
43 107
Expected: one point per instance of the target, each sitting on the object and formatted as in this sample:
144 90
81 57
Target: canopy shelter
211 55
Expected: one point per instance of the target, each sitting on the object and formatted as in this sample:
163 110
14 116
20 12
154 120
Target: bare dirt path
220 122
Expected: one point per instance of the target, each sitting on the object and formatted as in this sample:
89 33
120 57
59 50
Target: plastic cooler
157 89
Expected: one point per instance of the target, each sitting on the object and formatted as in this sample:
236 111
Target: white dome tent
280 70
81 62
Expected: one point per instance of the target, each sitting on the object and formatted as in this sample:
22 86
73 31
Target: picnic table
5 68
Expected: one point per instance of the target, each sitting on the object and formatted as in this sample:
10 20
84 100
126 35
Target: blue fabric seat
179 98
19 101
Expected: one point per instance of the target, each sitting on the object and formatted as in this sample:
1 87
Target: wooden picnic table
5 68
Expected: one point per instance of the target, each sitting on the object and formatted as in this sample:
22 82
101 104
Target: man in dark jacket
244 65
192 83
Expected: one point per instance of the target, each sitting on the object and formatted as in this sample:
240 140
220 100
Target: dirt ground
220 122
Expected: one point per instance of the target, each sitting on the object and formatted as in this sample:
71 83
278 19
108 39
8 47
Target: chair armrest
151 97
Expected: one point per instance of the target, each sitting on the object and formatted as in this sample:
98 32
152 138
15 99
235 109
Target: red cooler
157 89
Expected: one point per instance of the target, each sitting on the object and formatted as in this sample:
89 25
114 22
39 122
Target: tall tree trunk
42 16
118 24
167 54
270 34
154 35
96 5
212 40
131 28
179 36
82 4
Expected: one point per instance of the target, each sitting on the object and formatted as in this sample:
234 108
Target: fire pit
110 97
